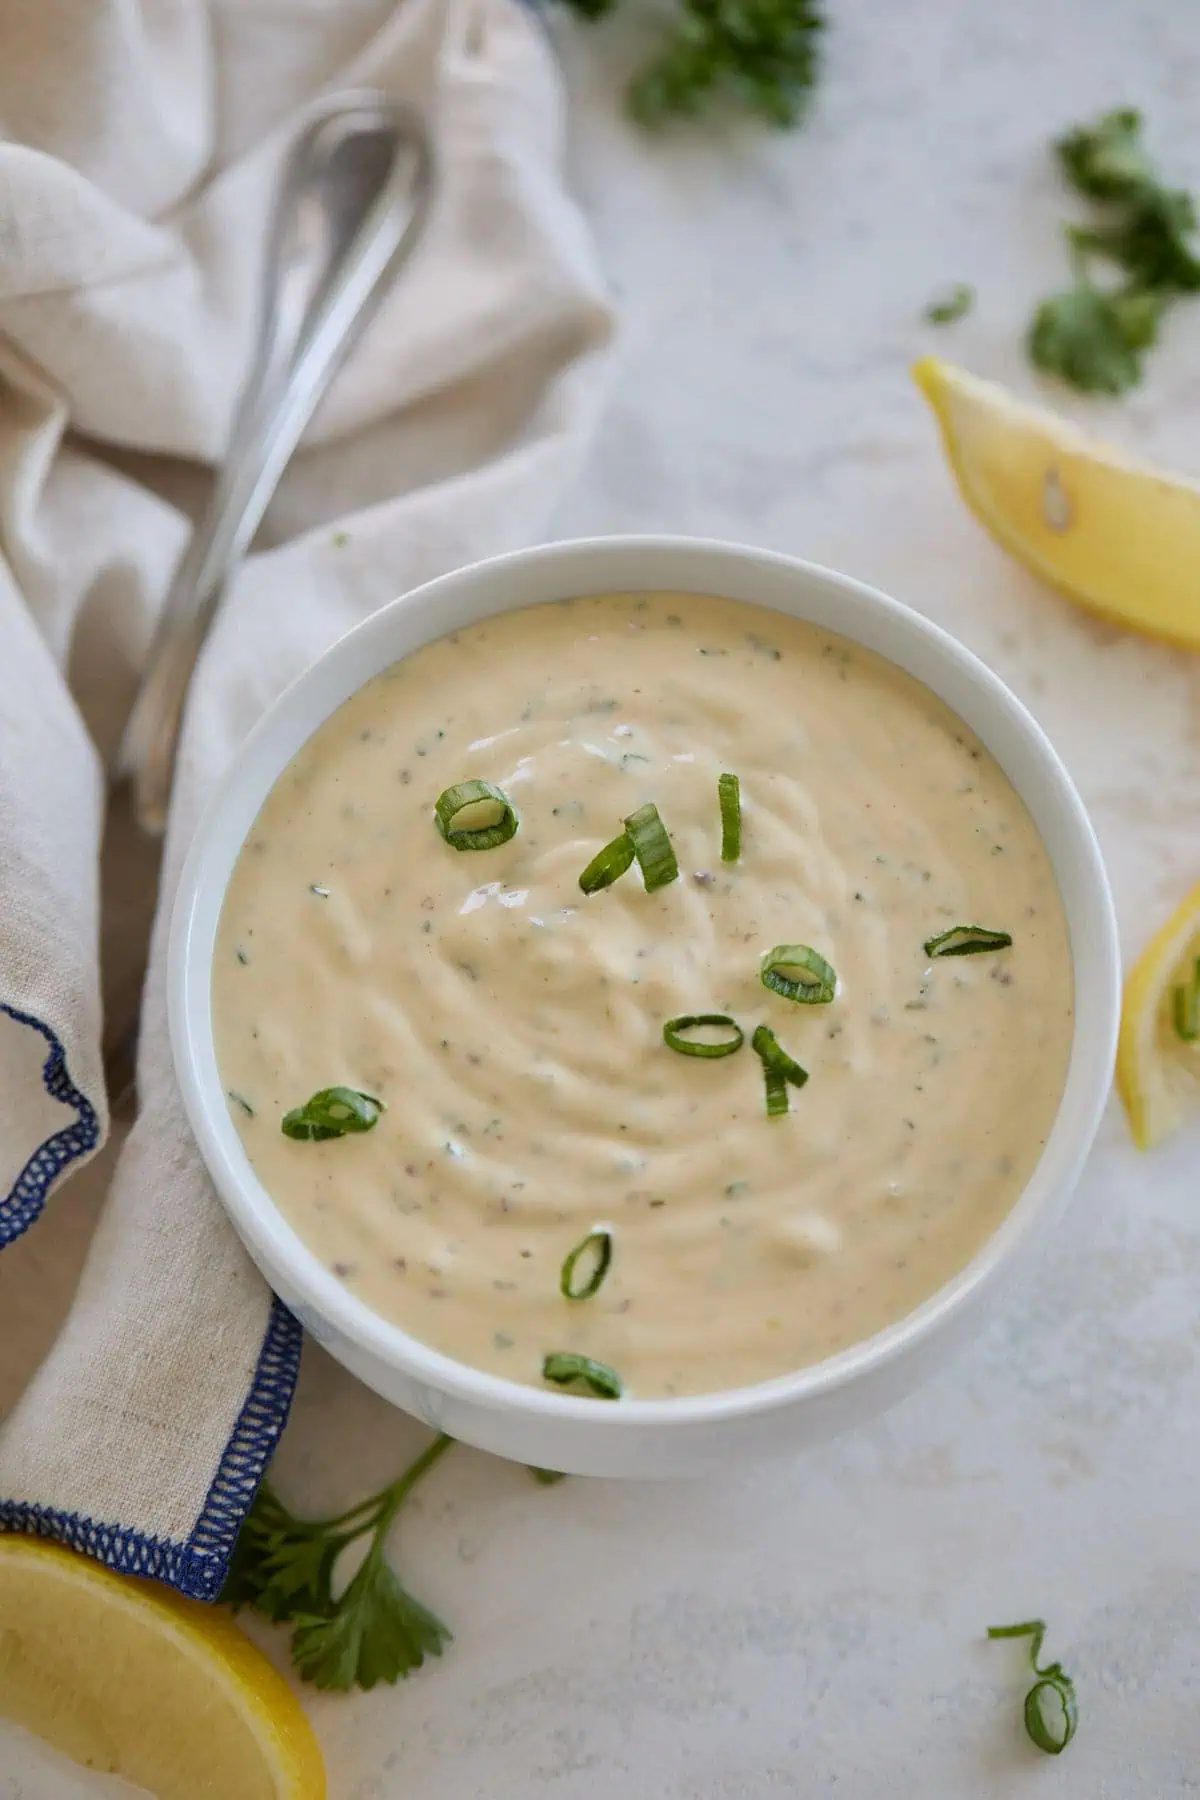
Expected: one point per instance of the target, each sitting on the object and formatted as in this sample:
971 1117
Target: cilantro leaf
375 1632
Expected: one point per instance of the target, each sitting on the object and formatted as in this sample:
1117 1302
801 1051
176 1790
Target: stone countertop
816 1628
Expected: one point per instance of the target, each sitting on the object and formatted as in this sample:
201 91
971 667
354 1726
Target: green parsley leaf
375 1632
277 1563
1093 335
283 1566
956 305
1150 241
1092 339
760 55
1107 160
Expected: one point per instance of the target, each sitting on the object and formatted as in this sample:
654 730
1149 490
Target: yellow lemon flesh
1158 1070
1112 534
133 1680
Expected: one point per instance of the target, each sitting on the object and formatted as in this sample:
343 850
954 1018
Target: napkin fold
142 149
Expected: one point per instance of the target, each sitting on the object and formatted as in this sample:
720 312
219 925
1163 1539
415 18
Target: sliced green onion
966 940
1051 1714
548 1477
778 1070
1051 1723
474 815
564 1366
595 1252
799 973
729 796
1186 1008
776 1092
674 1029
609 865
332 1113
652 847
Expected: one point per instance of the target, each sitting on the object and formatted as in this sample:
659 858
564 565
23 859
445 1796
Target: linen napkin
141 150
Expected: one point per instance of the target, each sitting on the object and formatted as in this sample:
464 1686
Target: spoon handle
349 210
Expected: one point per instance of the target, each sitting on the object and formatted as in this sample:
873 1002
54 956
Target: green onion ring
674 1028
652 847
608 865
729 798
496 820
597 1246
776 1092
778 1070
1054 1732
966 940
564 1366
332 1112
799 973
1050 1732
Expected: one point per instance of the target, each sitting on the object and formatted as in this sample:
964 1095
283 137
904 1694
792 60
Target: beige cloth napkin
142 144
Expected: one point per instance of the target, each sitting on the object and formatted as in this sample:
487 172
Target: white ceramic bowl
646 1437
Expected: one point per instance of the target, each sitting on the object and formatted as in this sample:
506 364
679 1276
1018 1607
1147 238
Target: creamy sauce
513 1026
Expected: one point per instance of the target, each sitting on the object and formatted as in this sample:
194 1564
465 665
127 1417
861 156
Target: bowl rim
275 1245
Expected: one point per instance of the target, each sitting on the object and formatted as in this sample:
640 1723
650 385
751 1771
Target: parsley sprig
284 1567
1094 334
760 55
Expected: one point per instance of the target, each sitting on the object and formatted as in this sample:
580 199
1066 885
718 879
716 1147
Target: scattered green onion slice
334 1112
729 795
608 865
547 1477
652 847
564 1366
966 940
1186 1008
775 1085
778 1070
474 815
674 1029
799 973
1051 1714
595 1252
1051 1724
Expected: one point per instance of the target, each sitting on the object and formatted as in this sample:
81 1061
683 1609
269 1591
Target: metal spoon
351 202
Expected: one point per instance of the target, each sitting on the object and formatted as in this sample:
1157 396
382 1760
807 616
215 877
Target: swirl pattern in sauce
513 1026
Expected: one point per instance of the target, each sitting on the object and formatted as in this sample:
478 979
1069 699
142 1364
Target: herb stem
387 1502
393 1497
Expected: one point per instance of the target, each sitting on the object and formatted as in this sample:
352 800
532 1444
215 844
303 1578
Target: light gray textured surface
815 1630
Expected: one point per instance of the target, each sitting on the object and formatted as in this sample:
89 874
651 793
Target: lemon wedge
1112 534
130 1679
1158 1053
